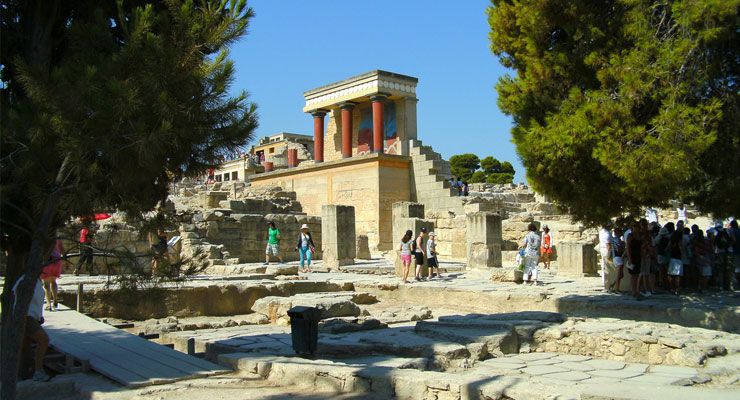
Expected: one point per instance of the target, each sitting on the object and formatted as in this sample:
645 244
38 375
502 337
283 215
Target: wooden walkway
121 356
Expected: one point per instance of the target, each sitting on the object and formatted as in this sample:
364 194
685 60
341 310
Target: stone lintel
359 88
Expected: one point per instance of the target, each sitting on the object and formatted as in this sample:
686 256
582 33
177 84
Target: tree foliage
463 165
637 99
101 104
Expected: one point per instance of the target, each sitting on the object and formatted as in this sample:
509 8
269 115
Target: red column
378 124
347 129
268 166
318 135
295 157
290 158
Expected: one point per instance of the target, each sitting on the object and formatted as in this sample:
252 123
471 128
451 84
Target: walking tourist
675 265
305 247
405 250
273 243
432 261
459 187
50 274
618 247
419 252
531 246
466 189
34 333
546 248
723 246
87 235
605 247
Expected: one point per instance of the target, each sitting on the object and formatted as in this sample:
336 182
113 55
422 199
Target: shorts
432 262
737 262
274 248
654 267
632 270
618 261
32 326
645 267
419 258
406 258
675 267
723 262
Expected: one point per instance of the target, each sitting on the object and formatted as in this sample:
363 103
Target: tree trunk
14 324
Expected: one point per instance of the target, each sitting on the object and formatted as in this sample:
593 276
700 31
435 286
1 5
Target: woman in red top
546 249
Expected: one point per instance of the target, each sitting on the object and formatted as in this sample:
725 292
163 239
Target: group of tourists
461 186
419 248
673 257
304 246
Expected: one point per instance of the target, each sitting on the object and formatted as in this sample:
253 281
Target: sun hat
304 226
431 234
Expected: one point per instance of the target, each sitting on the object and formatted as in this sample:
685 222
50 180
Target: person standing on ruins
531 247
618 247
273 243
86 251
432 255
605 248
633 253
546 248
466 189
419 252
305 247
459 187
405 249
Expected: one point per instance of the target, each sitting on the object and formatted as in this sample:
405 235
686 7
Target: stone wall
370 183
234 236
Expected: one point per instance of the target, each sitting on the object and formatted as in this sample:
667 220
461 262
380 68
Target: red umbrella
96 217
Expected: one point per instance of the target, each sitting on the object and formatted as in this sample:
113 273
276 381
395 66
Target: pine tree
99 102
619 104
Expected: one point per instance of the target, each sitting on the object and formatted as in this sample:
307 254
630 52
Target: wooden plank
148 366
123 357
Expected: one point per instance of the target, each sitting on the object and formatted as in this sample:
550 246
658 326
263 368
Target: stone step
421 179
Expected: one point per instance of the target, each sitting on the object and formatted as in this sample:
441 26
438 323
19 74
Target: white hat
304 226
432 234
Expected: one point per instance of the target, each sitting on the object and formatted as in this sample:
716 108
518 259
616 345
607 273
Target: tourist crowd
673 257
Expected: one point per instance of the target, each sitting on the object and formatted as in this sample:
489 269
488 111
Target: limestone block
406 209
232 204
338 235
282 269
483 240
505 274
212 198
577 259
363 249
611 275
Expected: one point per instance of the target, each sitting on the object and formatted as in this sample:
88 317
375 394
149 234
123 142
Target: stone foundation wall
233 237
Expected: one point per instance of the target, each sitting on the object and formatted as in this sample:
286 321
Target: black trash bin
304 328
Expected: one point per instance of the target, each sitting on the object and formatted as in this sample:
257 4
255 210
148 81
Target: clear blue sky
294 46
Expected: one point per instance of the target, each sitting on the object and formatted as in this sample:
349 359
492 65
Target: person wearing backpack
723 242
